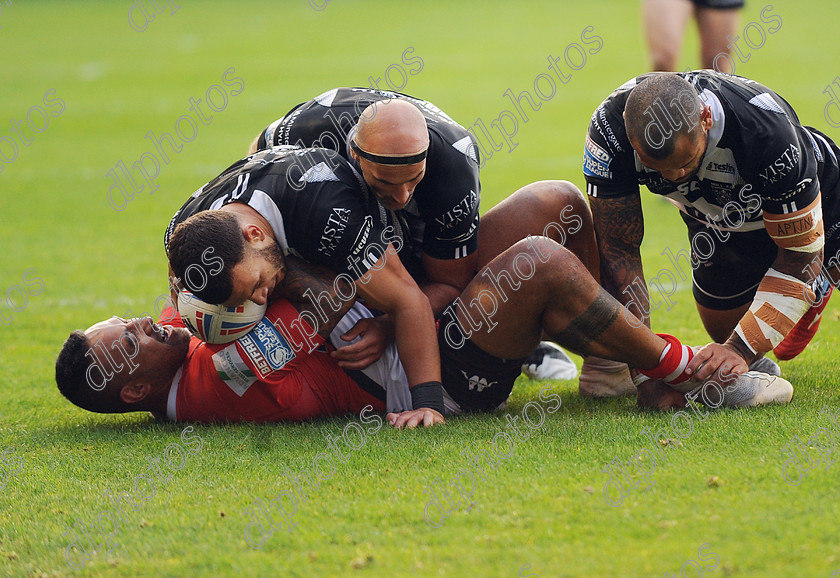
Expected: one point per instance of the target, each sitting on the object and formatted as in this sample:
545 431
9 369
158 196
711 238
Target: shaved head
663 109
392 127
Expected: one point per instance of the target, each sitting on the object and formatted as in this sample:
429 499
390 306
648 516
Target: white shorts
387 372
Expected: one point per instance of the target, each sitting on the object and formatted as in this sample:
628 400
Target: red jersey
262 377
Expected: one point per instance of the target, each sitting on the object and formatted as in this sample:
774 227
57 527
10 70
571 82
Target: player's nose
674 175
403 194
260 296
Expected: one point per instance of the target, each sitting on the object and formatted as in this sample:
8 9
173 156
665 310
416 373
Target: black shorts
729 276
475 379
719 4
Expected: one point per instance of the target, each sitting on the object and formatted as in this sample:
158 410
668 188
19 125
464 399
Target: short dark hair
71 370
661 94
216 230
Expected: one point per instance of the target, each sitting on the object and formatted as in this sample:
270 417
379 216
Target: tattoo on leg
591 324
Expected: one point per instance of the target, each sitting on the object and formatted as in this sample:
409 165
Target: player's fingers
351 352
430 418
354 332
719 359
344 354
700 358
705 371
725 365
391 418
356 357
728 373
413 419
407 419
400 419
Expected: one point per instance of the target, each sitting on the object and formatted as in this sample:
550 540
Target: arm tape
781 301
801 231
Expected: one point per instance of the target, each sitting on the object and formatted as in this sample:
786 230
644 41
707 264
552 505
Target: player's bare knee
556 194
565 207
538 257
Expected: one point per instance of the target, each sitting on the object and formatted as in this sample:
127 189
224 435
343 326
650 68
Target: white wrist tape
781 300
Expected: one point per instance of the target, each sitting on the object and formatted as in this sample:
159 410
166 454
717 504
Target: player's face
683 163
142 347
393 185
257 275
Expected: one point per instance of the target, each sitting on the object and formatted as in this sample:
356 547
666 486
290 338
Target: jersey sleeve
787 171
341 234
277 133
449 195
609 165
276 347
790 192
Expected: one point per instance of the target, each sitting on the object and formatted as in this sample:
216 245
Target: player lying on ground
168 372
311 204
423 168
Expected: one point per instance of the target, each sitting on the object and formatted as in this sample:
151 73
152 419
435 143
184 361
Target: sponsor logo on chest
334 230
267 349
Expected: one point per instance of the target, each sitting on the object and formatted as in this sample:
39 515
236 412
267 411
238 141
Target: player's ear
706 117
135 392
252 233
351 136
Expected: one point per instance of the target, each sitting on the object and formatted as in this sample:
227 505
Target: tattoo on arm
312 289
619 229
591 324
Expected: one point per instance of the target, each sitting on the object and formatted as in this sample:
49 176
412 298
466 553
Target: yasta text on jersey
334 231
459 211
782 166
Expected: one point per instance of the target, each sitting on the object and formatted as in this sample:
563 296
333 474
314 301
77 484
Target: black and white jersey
442 217
316 203
759 157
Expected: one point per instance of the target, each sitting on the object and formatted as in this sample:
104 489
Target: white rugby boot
549 361
748 390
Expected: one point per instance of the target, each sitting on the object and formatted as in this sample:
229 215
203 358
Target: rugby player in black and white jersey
424 169
227 244
758 191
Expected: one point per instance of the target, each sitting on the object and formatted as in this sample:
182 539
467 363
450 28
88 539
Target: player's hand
374 336
655 394
424 416
720 361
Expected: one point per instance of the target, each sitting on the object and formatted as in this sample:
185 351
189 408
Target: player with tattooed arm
758 191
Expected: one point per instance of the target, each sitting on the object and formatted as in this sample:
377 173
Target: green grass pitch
82 85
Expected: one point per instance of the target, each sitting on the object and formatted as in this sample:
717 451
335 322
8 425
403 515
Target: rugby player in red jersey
533 288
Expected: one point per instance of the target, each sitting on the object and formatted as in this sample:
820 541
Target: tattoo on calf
591 324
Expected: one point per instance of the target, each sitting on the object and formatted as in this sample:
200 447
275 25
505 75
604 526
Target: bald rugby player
423 168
